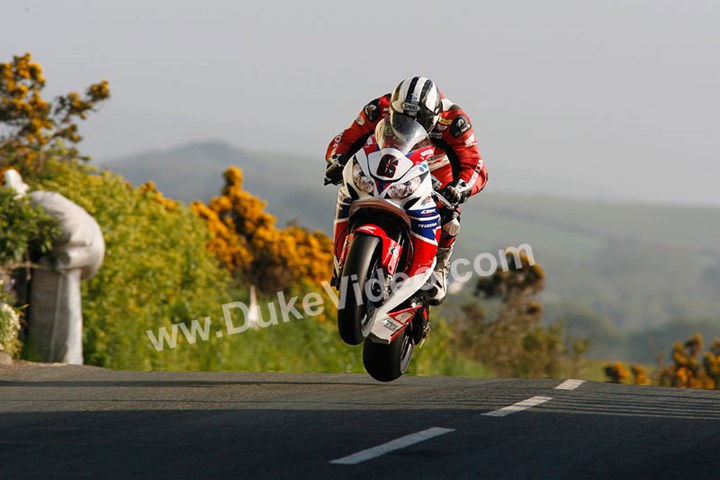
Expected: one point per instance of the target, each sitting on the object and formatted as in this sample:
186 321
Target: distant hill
291 185
636 265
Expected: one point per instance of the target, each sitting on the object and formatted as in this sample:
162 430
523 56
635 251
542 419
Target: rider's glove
334 171
456 192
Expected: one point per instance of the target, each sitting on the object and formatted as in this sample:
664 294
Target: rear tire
354 318
386 363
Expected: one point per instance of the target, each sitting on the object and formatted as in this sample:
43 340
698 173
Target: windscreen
402 133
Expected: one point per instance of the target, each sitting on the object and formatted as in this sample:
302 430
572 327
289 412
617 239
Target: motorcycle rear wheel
363 260
386 363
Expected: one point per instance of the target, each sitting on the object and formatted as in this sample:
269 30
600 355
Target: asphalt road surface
85 422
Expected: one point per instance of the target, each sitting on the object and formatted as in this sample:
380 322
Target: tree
512 342
33 129
247 242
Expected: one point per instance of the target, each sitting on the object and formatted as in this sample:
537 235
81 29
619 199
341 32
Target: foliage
157 270
24 229
308 345
248 243
438 355
26 232
512 342
10 322
640 375
688 371
34 129
617 372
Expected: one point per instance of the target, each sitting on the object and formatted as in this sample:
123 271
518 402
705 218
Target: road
86 422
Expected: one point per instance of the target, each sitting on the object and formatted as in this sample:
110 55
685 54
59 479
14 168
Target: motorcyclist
456 164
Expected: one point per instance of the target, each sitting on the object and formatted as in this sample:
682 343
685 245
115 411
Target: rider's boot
436 293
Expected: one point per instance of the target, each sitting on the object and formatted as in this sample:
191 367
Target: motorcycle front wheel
354 317
384 362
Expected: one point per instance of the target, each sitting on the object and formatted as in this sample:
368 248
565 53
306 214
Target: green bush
26 231
157 271
313 344
22 226
9 327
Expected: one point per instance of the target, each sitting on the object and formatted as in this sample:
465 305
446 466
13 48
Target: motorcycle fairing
387 167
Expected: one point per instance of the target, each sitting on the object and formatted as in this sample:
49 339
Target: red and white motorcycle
386 233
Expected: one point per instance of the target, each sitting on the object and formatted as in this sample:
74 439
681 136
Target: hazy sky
608 99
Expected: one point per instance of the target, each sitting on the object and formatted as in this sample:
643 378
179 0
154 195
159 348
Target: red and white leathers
456 151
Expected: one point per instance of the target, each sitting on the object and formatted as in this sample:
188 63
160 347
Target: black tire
362 263
386 363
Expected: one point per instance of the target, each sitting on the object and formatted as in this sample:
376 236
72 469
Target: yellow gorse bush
617 372
247 241
31 123
686 371
151 191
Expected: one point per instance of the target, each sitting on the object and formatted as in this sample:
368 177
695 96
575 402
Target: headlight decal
405 189
362 181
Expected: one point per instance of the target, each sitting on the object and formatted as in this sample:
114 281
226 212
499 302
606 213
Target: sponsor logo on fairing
390 325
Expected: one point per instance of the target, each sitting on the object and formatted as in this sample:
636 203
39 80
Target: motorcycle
386 236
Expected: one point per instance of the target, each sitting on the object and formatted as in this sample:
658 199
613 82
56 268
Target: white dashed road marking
396 444
571 384
518 407
418 437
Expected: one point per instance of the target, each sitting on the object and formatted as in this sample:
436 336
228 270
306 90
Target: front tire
386 363
354 318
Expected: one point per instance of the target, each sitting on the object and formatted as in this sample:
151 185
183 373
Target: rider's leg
450 228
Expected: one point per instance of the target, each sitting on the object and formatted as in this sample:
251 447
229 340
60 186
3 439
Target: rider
456 163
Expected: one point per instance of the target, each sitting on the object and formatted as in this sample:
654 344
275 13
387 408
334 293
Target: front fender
391 249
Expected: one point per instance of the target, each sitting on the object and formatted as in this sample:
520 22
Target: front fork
341 227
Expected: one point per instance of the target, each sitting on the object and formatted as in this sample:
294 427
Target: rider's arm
462 149
354 137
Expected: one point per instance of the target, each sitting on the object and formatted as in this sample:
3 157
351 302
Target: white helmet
418 98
